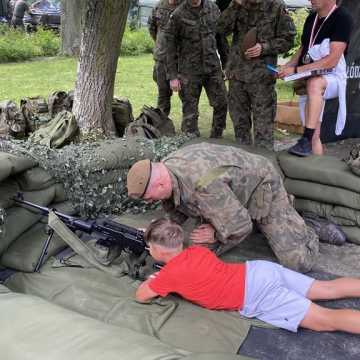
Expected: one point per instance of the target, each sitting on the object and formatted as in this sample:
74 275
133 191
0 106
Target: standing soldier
20 8
193 63
157 22
269 32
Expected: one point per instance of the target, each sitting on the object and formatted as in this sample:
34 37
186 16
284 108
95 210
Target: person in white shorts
324 41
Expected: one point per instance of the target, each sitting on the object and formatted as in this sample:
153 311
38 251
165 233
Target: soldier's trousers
253 104
294 243
163 85
191 87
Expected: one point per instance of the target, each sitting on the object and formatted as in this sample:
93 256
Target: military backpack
152 123
12 121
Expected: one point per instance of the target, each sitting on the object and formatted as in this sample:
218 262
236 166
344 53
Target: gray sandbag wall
23 232
326 186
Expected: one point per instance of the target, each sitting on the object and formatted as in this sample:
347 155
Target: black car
46 14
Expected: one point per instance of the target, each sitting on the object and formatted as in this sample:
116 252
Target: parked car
46 14
297 4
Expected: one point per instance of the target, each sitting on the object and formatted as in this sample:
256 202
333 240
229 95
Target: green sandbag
19 219
44 331
34 179
325 170
11 164
352 234
60 194
38 330
323 193
104 297
339 215
8 189
119 153
24 252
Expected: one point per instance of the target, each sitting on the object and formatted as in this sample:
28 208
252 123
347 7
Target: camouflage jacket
191 40
213 184
20 8
275 32
157 21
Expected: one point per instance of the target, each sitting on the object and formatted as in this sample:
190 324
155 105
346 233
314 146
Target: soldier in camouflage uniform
252 95
193 63
157 22
20 8
225 189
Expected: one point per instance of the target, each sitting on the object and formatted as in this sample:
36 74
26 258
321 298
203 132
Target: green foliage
16 45
136 42
299 17
47 41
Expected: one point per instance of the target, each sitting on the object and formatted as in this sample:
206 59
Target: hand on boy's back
203 234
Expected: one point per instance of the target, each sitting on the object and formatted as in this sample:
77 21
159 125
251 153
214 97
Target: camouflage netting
94 173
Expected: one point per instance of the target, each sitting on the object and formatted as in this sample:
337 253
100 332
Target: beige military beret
138 178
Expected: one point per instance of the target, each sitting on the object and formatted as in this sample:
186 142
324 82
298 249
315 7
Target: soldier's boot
216 133
327 231
189 126
269 145
242 137
164 103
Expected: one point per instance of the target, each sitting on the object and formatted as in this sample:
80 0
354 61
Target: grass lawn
133 80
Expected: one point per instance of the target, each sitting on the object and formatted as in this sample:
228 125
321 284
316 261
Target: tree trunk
103 28
71 15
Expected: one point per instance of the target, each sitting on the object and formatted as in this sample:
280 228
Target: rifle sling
79 246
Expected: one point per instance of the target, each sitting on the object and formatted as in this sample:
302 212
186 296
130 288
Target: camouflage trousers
17 23
191 87
163 85
294 243
253 105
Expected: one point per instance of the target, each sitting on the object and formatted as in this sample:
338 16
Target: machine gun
127 238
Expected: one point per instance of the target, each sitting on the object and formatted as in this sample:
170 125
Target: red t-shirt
198 275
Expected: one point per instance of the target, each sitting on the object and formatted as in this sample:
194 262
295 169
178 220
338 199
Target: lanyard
312 37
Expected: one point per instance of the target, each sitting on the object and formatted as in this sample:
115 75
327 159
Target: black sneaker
301 148
327 231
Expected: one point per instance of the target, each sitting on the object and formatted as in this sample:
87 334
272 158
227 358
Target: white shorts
332 87
276 295
331 92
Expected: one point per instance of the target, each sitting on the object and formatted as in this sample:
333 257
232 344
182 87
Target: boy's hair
164 232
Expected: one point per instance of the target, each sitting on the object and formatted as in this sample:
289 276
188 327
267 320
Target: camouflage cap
138 178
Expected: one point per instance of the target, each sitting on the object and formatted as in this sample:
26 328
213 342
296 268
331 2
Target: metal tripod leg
44 251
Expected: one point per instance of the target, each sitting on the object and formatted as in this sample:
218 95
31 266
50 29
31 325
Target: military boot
216 133
242 137
327 231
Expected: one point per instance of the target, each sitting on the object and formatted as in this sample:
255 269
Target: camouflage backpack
58 132
122 114
152 124
353 160
12 121
33 110
59 101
